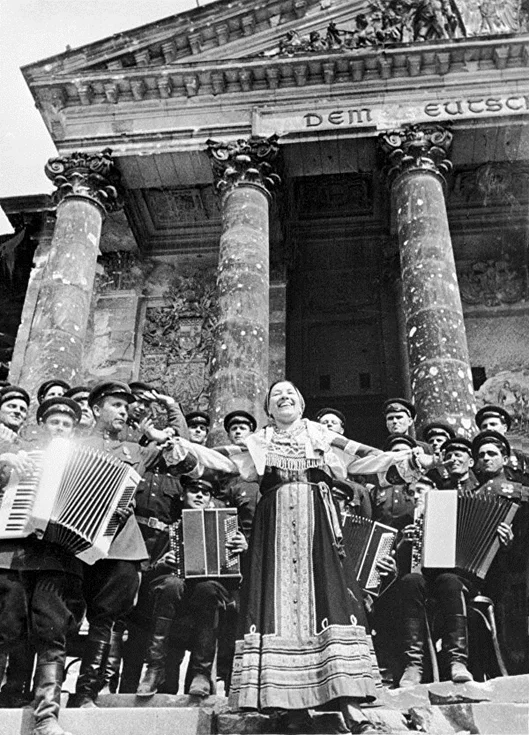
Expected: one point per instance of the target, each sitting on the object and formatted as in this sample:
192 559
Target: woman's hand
237 544
423 460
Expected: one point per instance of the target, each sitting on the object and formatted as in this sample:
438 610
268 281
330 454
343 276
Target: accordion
366 542
198 541
457 530
69 499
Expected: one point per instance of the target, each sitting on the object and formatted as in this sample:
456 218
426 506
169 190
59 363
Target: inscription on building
384 117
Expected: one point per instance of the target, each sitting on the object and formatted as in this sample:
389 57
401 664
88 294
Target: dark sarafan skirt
302 640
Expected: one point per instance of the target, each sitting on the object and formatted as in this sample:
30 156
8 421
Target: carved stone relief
178 339
510 389
492 184
168 207
493 283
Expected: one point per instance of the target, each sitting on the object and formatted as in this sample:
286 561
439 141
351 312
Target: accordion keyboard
17 501
385 545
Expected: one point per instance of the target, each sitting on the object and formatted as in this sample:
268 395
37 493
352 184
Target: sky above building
31 30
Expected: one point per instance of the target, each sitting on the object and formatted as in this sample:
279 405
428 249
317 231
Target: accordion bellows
70 499
458 530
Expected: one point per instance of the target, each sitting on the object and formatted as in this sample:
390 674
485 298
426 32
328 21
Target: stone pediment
227 30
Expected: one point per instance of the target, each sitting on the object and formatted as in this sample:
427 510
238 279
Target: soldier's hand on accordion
20 462
387 566
505 534
237 544
123 514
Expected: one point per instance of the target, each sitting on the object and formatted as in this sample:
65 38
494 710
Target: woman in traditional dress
302 642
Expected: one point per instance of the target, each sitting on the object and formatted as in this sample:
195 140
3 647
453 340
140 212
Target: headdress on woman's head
267 399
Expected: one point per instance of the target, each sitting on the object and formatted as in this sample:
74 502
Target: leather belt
153 522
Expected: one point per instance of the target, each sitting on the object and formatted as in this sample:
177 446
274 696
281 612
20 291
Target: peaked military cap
437 428
399 439
44 388
457 443
334 411
137 386
59 404
239 417
207 483
110 388
394 405
497 412
77 391
197 417
490 437
14 391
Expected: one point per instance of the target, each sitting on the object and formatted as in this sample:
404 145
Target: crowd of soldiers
141 616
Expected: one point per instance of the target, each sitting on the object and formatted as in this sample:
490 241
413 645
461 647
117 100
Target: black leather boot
17 690
134 653
155 674
90 674
110 676
455 644
48 681
414 634
201 662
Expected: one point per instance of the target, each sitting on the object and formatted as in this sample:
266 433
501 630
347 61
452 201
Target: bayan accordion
458 530
366 542
199 543
69 499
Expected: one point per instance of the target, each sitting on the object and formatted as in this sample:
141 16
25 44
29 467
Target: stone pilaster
441 379
244 179
86 189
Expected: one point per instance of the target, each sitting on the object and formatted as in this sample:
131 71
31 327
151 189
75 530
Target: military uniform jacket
128 545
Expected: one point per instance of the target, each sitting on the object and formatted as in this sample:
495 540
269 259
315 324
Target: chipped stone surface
240 365
60 318
430 720
438 353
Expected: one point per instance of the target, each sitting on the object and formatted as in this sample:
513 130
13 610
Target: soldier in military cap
175 597
399 414
458 461
198 423
14 405
332 418
111 584
52 389
59 416
140 426
496 418
436 433
40 591
79 394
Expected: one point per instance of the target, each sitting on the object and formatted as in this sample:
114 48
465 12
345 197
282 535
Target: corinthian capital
417 147
245 161
90 175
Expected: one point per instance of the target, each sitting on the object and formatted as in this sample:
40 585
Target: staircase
494 707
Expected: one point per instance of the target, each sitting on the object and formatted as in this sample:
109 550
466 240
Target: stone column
86 190
441 379
244 178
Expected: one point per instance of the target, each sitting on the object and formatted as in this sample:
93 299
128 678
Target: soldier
79 394
435 434
14 405
349 494
458 461
111 584
498 419
235 492
400 415
40 582
140 414
52 389
198 424
175 597
452 588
